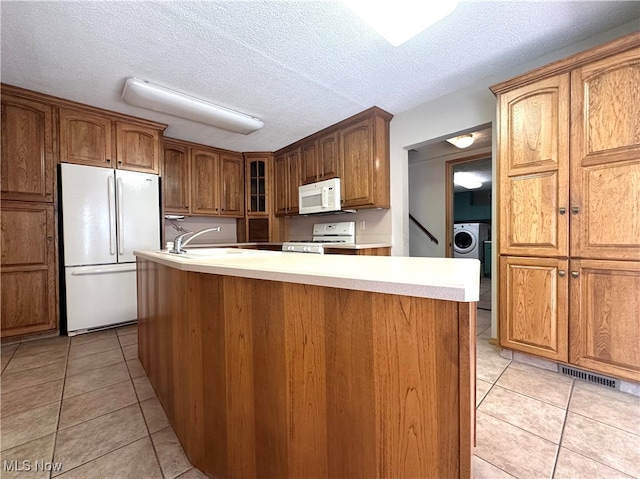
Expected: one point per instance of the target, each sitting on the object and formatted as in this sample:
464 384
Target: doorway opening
469 215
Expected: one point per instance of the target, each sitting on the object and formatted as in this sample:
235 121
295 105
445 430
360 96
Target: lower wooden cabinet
578 311
604 318
29 291
534 300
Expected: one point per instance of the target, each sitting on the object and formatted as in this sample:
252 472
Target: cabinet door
175 178
257 185
204 182
138 148
605 158
29 297
281 184
356 144
309 162
328 157
293 158
27 150
605 312
533 169
231 185
533 306
85 138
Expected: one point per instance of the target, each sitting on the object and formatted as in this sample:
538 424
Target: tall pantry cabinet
569 203
28 236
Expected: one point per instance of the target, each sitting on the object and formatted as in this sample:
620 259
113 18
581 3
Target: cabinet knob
562 273
562 210
575 210
574 274
108 160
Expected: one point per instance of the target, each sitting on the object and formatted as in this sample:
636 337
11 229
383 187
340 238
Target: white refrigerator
106 215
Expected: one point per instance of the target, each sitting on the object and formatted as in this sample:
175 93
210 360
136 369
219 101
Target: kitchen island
287 365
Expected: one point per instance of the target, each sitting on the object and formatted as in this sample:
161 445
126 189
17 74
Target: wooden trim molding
570 63
61 102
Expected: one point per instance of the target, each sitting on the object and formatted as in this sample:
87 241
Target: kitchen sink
204 253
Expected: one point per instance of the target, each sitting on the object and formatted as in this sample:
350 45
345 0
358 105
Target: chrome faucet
178 243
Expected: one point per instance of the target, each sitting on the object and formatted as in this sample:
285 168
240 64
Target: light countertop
249 245
451 279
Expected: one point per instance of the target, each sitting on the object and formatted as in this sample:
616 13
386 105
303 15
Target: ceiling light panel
466 180
153 97
400 20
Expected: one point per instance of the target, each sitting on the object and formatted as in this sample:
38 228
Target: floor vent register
589 377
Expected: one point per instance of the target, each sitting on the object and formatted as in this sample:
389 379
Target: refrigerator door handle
120 218
105 270
112 217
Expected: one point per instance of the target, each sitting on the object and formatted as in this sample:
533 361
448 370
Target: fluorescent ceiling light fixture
146 95
399 20
466 180
462 141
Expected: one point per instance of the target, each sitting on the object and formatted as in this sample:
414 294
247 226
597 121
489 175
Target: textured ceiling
297 65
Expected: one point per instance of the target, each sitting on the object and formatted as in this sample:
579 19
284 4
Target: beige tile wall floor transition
87 404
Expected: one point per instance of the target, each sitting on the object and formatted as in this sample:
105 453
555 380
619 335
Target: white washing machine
468 240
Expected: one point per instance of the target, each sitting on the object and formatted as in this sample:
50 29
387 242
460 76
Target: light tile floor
86 402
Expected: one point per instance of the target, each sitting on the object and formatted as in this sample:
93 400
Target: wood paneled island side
279 378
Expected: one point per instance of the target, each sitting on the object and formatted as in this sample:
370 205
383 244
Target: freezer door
138 200
88 212
99 296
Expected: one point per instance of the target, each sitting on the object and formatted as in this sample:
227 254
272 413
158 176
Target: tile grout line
119 409
64 381
564 425
497 467
144 418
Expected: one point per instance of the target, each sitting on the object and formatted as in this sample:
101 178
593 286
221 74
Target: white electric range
324 234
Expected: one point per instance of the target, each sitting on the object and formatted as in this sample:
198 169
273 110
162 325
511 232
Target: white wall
372 226
458 112
227 233
427 192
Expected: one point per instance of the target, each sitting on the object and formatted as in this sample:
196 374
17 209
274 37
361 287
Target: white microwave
320 197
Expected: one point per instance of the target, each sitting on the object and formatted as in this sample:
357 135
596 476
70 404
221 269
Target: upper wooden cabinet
205 181
88 138
605 158
287 179
364 156
202 181
231 184
176 174
28 158
258 183
29 278
309 162
137 148
328 156
355 150
534 169
320 158
259 224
